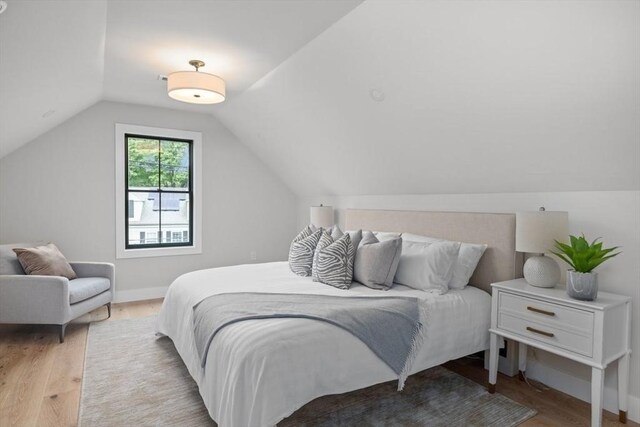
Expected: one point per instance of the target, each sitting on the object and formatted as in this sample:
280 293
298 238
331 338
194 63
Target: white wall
60 188
612 215
480 97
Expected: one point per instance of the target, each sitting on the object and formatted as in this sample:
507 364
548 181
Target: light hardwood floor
40 379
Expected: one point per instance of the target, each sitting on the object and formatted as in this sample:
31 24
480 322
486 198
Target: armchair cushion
87 287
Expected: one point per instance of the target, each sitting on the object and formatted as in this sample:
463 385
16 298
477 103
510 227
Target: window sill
154 252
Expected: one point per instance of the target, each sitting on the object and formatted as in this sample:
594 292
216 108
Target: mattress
258 372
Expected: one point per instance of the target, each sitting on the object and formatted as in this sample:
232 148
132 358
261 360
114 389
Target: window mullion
159 192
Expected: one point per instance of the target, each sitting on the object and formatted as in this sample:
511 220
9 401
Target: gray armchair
52 300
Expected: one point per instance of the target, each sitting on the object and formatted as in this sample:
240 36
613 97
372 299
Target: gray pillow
356 237
336 233
302 250
376 262
368 237
334 263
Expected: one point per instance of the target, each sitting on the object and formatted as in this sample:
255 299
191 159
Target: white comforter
260 371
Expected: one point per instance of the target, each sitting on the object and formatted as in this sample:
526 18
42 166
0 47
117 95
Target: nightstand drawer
546 333
547 313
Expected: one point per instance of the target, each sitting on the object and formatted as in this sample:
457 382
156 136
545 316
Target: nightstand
594 333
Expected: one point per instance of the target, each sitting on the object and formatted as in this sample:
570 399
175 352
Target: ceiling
63 56
51 65
240 41
344 97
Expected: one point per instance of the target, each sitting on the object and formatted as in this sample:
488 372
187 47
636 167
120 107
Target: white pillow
468 258
427 266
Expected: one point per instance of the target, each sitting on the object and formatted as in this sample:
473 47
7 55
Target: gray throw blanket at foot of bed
389 326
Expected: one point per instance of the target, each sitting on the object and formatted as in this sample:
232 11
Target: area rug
133 378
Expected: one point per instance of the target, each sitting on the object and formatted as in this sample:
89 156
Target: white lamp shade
536 231
322 216
196 87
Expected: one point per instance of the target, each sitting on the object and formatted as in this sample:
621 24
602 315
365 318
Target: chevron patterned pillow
302 250
334 263
325 240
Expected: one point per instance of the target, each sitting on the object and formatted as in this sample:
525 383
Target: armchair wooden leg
109 309
62 329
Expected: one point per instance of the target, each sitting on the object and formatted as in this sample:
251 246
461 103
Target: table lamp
536 233
322 216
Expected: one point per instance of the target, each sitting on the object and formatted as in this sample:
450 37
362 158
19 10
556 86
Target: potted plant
582 282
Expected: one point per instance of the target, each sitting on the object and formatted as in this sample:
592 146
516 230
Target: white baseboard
579 388
140 294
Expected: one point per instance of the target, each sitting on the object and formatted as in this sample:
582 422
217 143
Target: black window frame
159 191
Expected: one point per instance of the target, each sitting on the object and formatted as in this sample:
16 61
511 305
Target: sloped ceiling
338 97
420 97
51 65
62 56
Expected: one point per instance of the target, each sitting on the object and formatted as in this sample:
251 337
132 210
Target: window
158 187
158 177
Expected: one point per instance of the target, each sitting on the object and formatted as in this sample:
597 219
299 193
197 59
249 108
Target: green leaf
581 244
574 241
564 258
563 247
595 264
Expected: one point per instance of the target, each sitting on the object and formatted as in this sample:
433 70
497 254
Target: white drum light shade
322 216
536 231
196 87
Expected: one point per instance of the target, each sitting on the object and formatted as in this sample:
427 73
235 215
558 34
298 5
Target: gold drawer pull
538 331
538 310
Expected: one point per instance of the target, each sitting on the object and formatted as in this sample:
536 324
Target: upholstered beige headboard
499 262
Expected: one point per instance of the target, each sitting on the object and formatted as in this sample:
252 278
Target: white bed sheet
258 372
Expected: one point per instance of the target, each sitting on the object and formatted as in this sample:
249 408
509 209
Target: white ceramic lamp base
541 271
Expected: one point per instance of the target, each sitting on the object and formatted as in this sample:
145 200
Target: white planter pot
582 286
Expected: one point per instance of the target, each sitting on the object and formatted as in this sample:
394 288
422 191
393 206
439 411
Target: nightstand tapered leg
493 363
597 385
623 387
522 360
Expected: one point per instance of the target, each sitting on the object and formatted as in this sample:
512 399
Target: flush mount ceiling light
196 87
3 6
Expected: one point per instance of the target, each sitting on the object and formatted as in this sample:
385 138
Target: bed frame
500 261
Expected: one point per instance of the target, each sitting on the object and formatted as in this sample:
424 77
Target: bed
258 372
